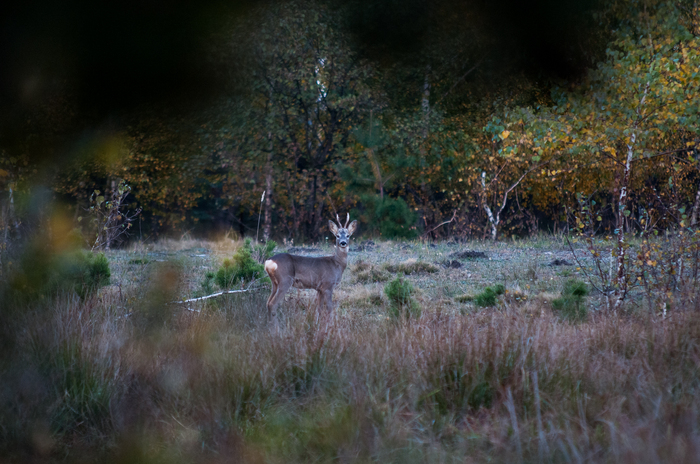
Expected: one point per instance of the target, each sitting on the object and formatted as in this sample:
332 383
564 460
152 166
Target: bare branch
454 215
213 295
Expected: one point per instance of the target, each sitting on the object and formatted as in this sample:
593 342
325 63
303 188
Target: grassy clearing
125 376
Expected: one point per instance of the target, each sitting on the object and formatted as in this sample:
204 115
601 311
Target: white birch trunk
493 220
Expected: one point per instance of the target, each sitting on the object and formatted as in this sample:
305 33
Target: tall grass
90 379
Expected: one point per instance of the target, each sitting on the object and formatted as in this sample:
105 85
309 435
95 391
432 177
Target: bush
87 272
488 296
391 217
400 293
571 304
242 267
42 274
262 252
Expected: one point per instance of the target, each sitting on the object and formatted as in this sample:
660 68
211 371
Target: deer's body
320 274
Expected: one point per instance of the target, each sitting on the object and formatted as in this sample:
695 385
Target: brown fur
320 274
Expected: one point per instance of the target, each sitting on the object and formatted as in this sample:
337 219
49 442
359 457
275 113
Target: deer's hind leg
280 286
283 286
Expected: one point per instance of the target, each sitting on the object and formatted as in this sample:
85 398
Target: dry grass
126 376
411 266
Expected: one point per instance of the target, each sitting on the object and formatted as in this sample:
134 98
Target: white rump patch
270 266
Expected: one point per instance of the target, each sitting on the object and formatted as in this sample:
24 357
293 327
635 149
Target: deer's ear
352 227
333 228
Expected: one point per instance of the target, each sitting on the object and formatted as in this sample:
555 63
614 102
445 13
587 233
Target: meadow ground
133 375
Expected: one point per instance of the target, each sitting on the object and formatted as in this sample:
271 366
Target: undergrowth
400 293
94 380
488 297
42 275
571 304
243 267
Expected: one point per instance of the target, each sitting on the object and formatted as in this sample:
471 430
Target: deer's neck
341 256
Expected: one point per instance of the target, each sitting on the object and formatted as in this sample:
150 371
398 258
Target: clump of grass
362 297
139 261
361 266
531 273
488 296
78 271
366 273
570 305
464 298
244 266
400 293
411 267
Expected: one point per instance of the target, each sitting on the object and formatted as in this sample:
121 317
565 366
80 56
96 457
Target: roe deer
321 274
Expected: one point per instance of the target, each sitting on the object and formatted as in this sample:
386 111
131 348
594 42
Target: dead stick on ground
225 292
441 224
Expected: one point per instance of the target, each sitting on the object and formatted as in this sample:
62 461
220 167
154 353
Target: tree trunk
377 171
295 216
267 226
311 220
12 217
696 205
621 276
425 105
425 102
493 220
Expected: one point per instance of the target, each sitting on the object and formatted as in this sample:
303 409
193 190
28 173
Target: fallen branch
224 292
454 214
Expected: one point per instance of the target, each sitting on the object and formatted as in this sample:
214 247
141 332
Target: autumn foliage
320 128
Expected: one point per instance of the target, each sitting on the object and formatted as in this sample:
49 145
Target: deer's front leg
325 300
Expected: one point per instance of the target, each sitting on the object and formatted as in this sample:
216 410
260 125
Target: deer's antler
347 222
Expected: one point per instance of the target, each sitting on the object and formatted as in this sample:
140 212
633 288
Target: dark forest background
505 117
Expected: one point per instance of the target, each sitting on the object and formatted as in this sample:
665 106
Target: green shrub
90 272
242 267
400 293
264 251
392 218
575 288
43 274
207 284
571 306
488 296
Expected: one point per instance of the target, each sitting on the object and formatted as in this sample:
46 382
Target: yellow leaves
504 135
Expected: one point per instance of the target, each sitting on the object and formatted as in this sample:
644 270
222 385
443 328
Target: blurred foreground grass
124 375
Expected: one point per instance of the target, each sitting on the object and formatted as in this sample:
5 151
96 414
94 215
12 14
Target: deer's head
342 233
